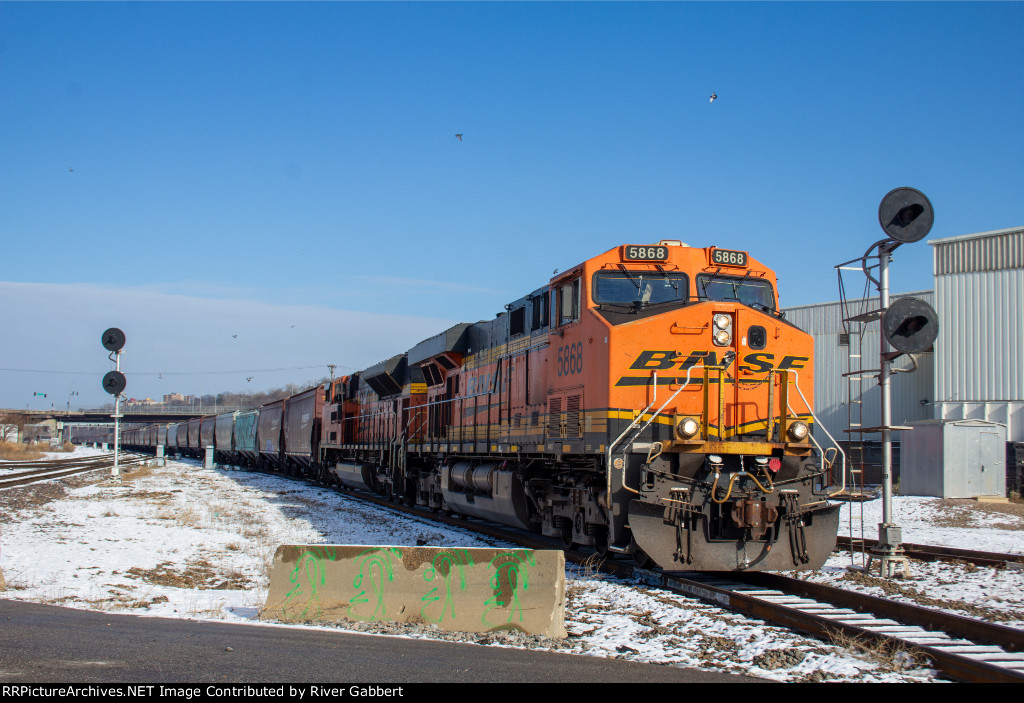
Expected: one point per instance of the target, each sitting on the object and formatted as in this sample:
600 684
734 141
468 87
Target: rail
819 610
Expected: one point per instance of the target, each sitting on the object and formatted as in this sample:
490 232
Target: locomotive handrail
635 422
424 419
817 422
611 447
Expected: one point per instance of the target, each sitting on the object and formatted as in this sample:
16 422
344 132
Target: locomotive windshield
639 288
755 292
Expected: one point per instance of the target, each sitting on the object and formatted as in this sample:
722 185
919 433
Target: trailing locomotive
650 401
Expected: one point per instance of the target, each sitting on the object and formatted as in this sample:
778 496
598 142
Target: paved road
44 643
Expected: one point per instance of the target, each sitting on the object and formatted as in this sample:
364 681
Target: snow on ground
964 524
183 541
996 595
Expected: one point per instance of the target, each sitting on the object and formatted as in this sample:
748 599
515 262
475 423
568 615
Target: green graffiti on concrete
511 577
306 579
378 565
444 566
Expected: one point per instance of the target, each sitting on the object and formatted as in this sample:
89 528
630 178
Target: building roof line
978 235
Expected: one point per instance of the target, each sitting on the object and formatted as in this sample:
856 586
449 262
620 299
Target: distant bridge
144 415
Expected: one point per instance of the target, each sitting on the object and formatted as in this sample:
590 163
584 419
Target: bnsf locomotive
650 401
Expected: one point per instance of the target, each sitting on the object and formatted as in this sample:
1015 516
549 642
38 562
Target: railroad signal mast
909 326
114 383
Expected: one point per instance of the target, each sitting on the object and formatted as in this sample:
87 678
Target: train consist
651 401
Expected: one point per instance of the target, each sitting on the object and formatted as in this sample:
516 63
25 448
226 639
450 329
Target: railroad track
51 463
62 468
962 648
927 552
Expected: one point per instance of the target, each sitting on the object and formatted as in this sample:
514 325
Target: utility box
953 459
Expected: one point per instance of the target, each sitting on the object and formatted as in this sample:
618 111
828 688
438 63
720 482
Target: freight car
650 401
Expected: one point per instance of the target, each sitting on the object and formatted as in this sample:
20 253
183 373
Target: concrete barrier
465 590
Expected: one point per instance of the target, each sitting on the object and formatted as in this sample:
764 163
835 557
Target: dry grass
892 655
578 573
134 473
964 509
588 568
198 574
12 451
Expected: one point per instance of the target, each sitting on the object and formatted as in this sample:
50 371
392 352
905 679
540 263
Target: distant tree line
251 399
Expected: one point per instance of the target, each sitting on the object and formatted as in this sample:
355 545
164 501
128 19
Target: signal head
906 215
910 325
114 382
113 339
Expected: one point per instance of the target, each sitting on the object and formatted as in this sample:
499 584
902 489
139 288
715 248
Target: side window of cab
566 303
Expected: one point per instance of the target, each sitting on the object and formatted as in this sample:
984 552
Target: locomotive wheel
567 542
601 544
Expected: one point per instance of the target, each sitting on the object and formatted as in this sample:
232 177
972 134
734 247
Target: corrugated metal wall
912 393
977 370
979 299
987 251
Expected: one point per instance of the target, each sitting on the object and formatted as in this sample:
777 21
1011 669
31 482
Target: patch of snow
184 541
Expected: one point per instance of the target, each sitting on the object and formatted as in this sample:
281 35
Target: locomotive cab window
639 288
517 321
755 292
539 308
566 303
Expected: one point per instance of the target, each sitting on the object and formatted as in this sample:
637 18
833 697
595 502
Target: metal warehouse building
912 393
976 372
979 354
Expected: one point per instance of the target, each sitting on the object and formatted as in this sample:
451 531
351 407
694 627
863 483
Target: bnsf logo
756 362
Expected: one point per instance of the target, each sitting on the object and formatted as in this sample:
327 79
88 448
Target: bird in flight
248 378
459 137
234 336
714 97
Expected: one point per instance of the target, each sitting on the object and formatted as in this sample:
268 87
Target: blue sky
197 162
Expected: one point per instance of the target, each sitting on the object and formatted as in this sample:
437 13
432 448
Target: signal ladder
856 316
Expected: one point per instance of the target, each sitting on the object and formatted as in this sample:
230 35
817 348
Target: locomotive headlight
798 431
722 329
687 428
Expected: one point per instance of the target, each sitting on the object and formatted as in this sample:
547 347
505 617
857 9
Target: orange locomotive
649 401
